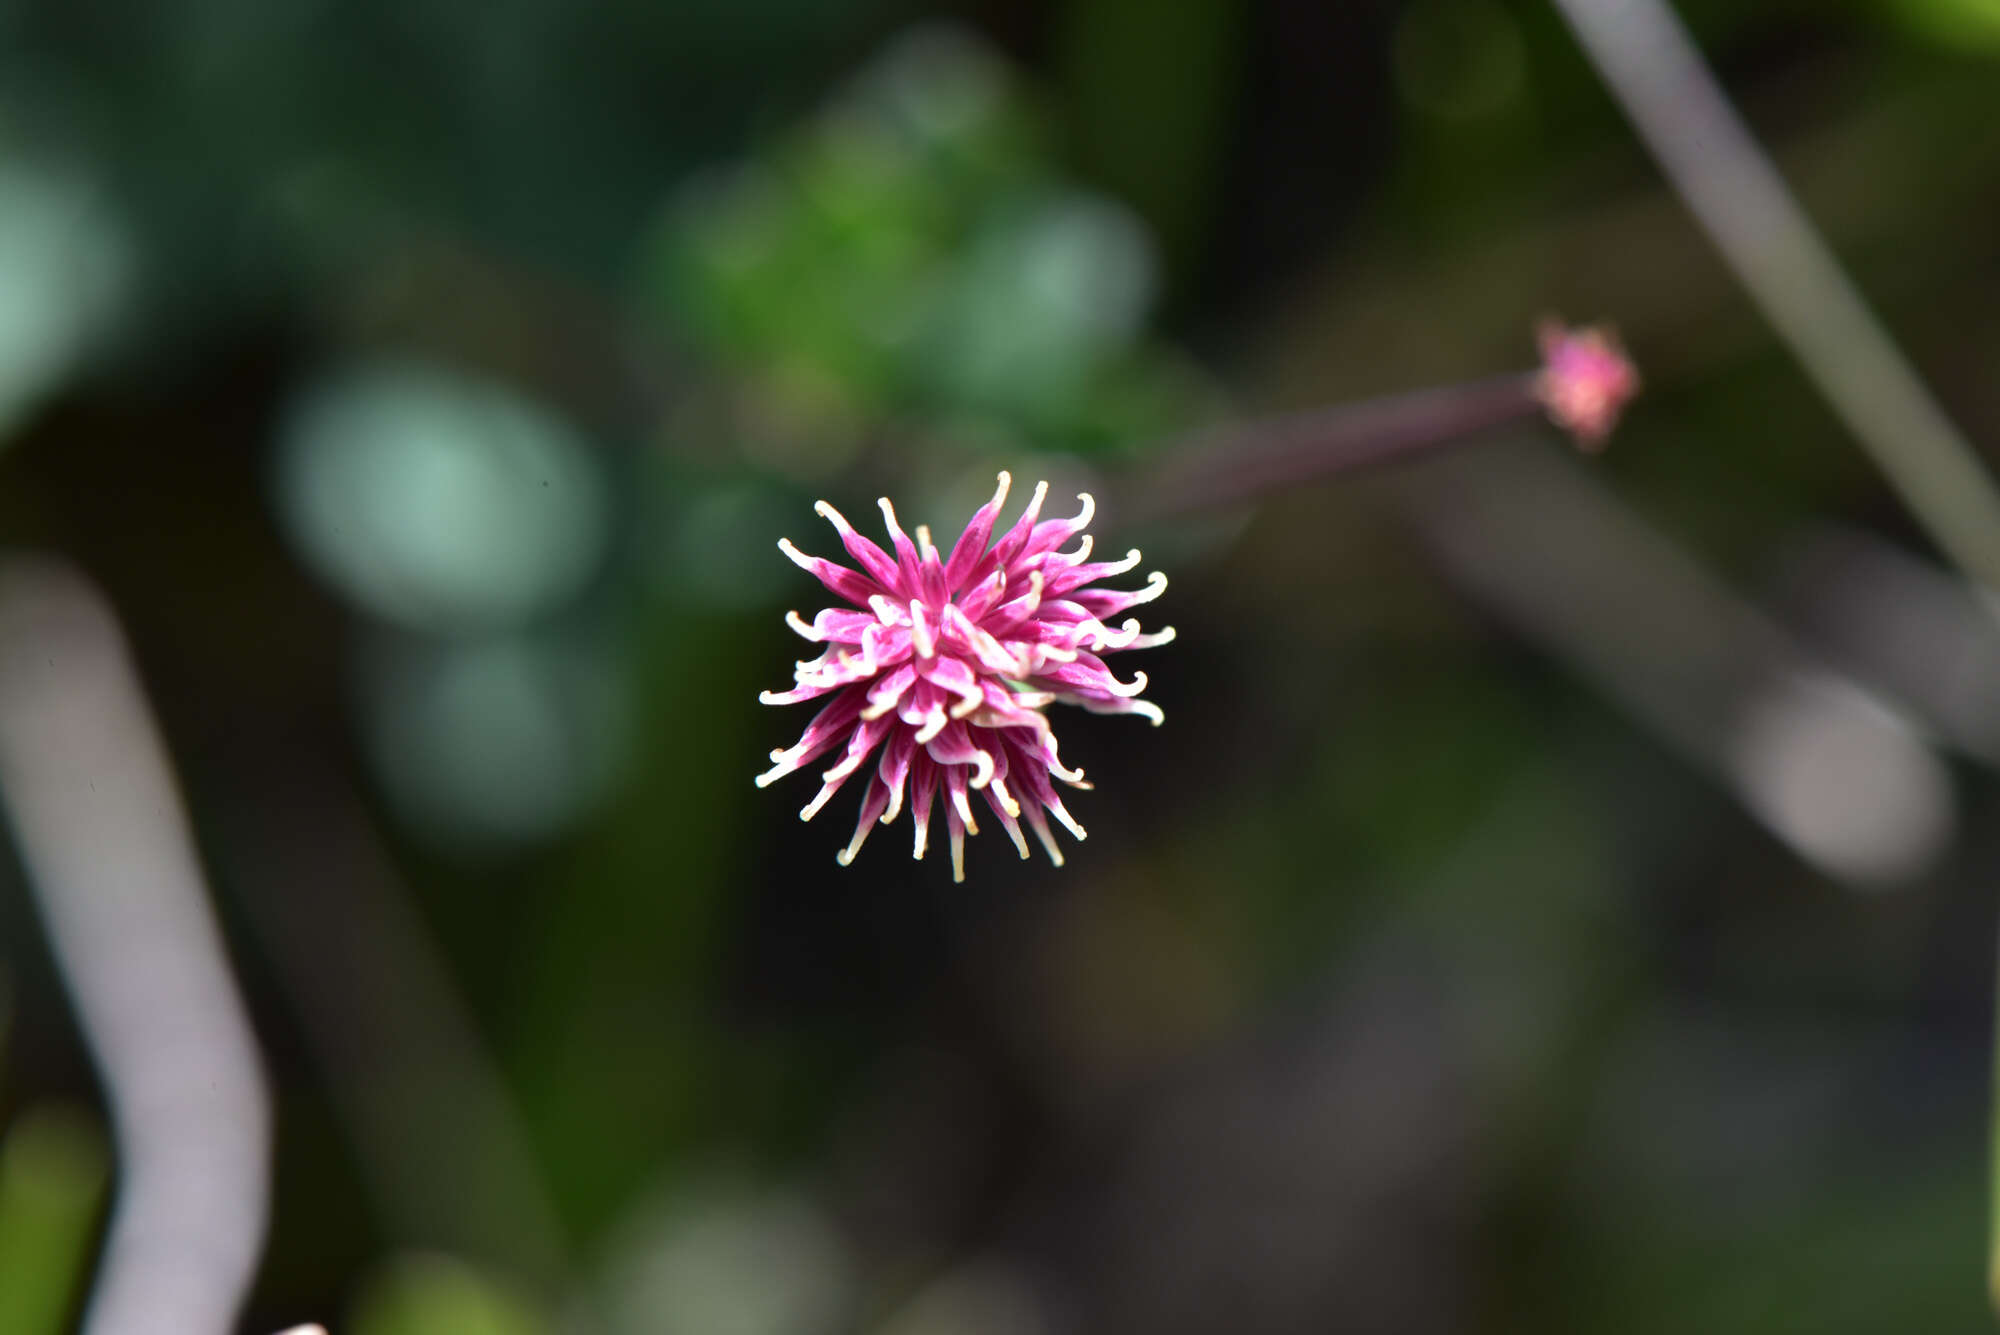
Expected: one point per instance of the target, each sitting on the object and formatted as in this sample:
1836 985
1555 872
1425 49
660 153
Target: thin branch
1240 463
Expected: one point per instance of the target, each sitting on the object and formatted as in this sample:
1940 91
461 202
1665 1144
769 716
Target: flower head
1586 380
947 662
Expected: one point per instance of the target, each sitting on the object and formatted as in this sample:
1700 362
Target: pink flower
1585 382
947 664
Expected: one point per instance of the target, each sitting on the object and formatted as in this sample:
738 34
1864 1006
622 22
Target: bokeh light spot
493 743
439 501
65 271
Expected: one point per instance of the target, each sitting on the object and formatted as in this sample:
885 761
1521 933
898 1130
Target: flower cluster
948 662
1585 381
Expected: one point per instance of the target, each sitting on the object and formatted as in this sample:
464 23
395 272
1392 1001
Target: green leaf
436 1295
1969 24
53 1169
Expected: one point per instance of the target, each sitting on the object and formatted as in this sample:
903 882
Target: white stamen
885 611
1120 567
1125 689
1014 833
895 806
1033 598
1000 492
1007 802
964 809
1077 557
982 763
787 763
889 519
811 808
833 517
1068 821
958 856
1047 841
1041 655
797 623
797 557
1146 709
920 631
934 723
1156 584
924 549
1072 777
846 855
850 763
1096 635
1089 508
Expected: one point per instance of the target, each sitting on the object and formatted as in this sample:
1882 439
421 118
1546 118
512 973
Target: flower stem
1230 465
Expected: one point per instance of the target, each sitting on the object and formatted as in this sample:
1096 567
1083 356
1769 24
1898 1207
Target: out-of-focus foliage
427 386
470 520
439 503
66 261
497 739
53 1171
910 260
1971 24
715 1256
434 1295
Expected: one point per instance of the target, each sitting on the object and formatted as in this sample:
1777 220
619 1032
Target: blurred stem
1654 69
1241 463
1657 73
112 866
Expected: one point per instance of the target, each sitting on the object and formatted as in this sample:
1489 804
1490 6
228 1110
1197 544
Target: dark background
1440 965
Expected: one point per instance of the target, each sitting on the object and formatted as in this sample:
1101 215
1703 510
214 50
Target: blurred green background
1559 898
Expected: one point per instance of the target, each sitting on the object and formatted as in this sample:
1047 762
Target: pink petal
906 551
955 749
872 807
952 675
1053 533
971 544
923 787
1107 603
1060 582
1009 547
827 728
870 557
839 580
